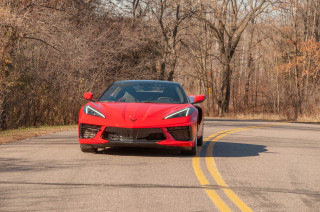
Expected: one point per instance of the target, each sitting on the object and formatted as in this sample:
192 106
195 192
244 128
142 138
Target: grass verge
8 136
272 117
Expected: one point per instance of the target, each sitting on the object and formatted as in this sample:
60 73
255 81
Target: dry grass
267 117
311 119
23 133
273 117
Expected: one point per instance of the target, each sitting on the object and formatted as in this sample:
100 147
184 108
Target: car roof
146 81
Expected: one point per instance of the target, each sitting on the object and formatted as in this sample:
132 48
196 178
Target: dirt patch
19 134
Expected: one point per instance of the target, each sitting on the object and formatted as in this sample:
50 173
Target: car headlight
93 112
181 113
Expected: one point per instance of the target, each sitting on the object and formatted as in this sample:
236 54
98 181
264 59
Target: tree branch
38 39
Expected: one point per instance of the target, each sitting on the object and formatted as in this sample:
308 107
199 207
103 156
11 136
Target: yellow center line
203 180
222 206
211 165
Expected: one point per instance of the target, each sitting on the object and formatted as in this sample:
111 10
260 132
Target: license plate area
132 135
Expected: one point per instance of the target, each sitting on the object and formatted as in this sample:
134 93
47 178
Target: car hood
130 114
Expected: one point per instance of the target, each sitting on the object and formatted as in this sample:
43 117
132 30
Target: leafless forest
248 56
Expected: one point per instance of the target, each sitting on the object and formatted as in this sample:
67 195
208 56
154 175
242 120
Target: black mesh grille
180 133
88 130
133 134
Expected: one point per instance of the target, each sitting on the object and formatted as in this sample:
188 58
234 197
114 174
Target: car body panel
140 115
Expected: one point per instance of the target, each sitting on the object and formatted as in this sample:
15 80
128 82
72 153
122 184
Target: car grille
88 130
180 133
117 134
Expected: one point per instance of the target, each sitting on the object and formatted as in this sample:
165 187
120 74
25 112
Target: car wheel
200 140
193 150
87 148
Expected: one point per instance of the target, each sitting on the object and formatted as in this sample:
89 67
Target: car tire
87 148
200 140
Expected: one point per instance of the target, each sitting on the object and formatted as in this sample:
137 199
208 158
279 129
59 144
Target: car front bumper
164 137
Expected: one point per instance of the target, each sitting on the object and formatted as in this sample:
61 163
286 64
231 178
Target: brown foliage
53 51
259 59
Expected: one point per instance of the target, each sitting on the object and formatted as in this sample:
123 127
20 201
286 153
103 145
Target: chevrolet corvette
142 113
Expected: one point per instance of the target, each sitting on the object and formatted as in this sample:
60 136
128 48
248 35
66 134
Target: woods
248 57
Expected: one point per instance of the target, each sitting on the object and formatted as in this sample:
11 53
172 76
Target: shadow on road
221 149
228 149
141 151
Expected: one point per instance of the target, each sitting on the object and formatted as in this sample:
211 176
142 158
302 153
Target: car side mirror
199 98
196 98
88 95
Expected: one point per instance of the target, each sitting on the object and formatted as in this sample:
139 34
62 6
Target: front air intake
88 130
180 133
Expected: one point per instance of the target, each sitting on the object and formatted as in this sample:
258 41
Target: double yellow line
212 168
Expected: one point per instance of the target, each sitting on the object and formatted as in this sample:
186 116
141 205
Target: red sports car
144 113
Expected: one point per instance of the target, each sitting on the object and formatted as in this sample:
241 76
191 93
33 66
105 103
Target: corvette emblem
133 119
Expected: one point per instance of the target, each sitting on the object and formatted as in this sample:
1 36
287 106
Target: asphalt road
266 168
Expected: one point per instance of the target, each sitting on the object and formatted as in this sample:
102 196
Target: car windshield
144 92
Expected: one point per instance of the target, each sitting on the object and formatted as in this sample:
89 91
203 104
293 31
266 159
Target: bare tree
228 19
169 17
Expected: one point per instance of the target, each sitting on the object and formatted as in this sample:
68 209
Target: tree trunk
3 114
161 72
297 101
225 86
